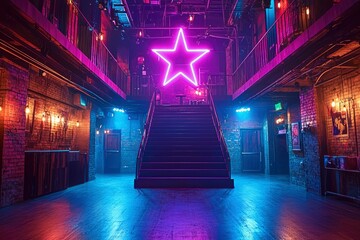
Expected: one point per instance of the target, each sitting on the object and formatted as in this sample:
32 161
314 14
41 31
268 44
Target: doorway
112 152
281 161
251 149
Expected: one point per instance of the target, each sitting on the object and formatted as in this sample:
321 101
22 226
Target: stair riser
182 154
183 148
183 173
204 165
178 159
183 183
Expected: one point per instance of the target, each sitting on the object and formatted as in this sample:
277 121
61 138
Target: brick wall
345 91
92 144
131 127
53 122
310 139
304 165
13 91
231 123
296 158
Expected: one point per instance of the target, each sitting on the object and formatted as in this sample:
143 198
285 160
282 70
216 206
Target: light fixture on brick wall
42 73
279 4
77 124
333 104
27 109
1 104
280 120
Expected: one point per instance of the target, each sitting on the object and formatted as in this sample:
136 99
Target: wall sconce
191 18
307 11
333 104
97 132
57 119
100 36
279 4
77 123
27 109
42 73
0 108
1 103
280 120
43 118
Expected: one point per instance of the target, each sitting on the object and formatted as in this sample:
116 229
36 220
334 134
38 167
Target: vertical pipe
355 129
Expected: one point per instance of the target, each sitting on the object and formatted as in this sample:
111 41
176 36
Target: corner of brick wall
13 89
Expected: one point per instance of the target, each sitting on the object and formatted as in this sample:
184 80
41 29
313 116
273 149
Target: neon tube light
180 60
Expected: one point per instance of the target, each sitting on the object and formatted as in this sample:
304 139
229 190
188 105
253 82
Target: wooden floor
259 207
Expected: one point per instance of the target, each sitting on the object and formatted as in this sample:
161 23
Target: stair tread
208 178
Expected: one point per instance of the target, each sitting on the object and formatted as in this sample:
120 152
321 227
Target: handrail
145 134
292 21
219 132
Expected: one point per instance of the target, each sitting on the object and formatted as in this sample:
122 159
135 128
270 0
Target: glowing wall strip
172 72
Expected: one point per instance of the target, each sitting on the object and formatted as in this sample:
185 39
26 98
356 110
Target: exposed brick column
13 91
310 140
91 156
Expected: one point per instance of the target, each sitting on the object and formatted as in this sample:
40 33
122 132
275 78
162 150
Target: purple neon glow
175 58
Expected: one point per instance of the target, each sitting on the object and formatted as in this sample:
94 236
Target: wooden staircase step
183 159
183 165
183 173
184 183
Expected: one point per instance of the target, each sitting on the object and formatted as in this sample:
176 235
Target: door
251 150
281 163
112 160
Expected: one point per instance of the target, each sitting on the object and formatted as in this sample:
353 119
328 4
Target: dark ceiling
158 18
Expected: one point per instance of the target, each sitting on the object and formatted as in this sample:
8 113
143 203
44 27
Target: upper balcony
65 42
304 40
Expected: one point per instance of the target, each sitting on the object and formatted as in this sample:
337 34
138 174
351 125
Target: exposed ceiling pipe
232 11
208 4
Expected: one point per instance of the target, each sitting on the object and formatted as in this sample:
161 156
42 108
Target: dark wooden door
112 161
251 150
281 161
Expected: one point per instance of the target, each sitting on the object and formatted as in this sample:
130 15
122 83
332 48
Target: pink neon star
180 60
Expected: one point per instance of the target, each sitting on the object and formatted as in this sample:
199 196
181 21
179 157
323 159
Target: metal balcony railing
68 18
292 21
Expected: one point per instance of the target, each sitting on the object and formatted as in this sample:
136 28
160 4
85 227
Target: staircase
183 151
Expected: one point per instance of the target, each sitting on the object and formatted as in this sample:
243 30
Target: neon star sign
180 60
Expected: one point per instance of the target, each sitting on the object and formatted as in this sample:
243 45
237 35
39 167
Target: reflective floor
259 207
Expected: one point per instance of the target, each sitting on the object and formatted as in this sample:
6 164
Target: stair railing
145 134
219 132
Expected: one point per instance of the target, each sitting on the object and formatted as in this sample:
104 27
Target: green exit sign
278 106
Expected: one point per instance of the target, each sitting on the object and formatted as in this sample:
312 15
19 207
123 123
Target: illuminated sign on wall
278 106
180 60
243 110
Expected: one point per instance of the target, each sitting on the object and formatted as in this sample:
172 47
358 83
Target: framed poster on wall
295 136
340 123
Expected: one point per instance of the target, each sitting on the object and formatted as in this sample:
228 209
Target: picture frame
340 126
295 136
